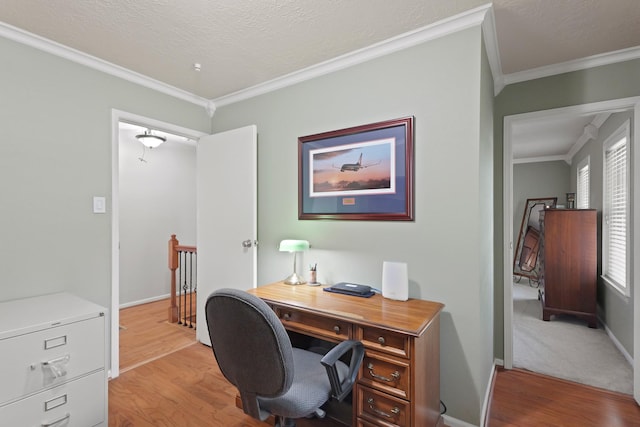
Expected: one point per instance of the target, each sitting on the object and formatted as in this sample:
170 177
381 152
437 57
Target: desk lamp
294 246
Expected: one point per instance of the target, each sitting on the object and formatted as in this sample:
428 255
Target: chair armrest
340 390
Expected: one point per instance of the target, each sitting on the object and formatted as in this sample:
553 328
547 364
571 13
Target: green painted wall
614 309
55 155
444 84
535 181
615 81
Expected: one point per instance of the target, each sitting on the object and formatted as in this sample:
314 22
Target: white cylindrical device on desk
395 280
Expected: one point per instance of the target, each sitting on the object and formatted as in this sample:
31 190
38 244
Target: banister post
173 266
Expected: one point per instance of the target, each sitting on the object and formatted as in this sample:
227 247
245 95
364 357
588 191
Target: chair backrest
251 346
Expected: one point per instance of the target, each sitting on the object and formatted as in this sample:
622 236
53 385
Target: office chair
255 354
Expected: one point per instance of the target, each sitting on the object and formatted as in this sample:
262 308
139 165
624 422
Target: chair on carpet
255 354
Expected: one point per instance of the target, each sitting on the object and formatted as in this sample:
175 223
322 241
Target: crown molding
13 33
493 52
574 65
433 31
560 157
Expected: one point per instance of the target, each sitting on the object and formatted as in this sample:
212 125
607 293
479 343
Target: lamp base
294 279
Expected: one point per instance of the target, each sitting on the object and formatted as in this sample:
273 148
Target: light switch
99 205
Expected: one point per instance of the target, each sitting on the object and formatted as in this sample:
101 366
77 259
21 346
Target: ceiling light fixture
150 140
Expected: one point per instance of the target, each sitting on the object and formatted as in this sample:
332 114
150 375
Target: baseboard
144 301
617 343
487 393
454 422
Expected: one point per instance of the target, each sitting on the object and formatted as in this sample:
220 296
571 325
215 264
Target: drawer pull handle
287 316
394 411
336 329
395 376
58 421
58 366
381 340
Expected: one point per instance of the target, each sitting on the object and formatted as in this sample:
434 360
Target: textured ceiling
536 33
239 43
243 43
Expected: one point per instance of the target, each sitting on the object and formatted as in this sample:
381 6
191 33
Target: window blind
615 212
583 187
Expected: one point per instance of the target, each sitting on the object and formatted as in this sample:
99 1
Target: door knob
247 243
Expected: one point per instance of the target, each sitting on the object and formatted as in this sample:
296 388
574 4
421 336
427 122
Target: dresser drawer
380 409
386 373
78 403
384 341
311 324
50 357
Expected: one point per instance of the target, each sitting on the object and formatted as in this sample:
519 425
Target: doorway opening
145 211
632 106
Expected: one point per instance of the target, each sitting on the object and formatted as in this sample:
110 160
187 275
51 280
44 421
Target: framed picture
360 173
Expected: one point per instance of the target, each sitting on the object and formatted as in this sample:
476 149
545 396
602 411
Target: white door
226 235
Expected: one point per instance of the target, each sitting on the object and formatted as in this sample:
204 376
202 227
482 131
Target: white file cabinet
53 357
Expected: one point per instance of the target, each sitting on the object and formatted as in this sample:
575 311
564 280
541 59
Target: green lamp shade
294 245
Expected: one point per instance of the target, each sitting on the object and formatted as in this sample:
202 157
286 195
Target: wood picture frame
359 173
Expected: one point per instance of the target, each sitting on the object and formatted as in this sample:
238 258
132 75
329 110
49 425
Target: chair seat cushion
310 388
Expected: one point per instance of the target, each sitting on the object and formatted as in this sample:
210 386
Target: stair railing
183 263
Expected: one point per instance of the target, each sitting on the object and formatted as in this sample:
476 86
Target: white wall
157 199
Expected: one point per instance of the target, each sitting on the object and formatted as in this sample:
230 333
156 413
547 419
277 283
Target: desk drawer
380 409
384 341
311 324
46 358
389 374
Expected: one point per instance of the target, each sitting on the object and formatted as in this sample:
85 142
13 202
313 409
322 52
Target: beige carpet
565 347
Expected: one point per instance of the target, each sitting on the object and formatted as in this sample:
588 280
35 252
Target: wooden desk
399 381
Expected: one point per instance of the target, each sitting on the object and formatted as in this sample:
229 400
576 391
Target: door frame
631 103
118 116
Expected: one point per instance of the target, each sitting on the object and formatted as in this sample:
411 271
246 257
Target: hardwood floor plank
184 388
145 334
522 398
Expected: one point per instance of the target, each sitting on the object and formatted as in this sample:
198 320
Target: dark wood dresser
568 263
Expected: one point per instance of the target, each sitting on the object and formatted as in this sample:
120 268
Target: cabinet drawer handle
381 340
58 421
394 411
336 329
63 359
395 376
57 366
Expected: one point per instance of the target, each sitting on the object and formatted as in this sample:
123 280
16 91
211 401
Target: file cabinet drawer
384 341
311 324
42 359
78 403
389 374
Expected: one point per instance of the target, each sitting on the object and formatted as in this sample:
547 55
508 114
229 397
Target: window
615 209
582 195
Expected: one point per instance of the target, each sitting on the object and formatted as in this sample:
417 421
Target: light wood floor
145 334
167 379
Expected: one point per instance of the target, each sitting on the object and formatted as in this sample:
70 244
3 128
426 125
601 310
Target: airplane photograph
355 167
334 171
